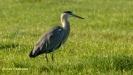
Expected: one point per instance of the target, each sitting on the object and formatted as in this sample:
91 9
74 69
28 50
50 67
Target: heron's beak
77 16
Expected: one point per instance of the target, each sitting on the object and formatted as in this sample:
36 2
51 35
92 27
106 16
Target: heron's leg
52 56
46 57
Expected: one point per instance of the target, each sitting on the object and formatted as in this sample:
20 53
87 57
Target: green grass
101 44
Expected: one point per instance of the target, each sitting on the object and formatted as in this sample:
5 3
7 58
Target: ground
100 44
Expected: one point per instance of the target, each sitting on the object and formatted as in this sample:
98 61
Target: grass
101 44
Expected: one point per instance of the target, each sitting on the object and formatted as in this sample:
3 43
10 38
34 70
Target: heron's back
49 41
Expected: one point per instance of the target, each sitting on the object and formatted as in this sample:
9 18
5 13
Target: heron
53 38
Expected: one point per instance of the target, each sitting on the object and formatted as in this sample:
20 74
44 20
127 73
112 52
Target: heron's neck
65 22
66 26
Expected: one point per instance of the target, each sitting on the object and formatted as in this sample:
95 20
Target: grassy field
101 44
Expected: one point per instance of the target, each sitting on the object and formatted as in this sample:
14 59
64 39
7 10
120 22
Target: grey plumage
53 38
49 41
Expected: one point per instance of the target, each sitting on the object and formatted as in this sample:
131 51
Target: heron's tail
34 52
32 55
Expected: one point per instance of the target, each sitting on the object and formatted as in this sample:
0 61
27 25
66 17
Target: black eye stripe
67 12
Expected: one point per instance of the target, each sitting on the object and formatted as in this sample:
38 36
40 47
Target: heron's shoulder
56 28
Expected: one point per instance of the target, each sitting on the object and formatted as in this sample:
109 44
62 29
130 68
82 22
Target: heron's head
70 14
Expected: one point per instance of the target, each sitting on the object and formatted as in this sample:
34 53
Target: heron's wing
50 41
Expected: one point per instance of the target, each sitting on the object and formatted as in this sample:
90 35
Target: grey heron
53 38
